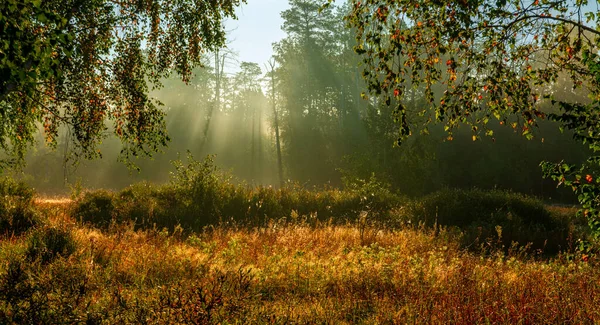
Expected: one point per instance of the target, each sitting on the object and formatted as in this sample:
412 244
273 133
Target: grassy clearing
202 250
285 271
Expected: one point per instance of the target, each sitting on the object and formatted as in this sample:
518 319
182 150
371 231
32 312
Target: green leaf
41 17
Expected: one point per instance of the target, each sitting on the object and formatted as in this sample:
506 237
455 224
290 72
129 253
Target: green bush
139 203
95 207
456 207
16 287
505 216
201 195
48 243
17 211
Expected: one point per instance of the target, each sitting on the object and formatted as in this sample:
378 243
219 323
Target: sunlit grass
291 272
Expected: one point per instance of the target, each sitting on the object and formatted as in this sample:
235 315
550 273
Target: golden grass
300 273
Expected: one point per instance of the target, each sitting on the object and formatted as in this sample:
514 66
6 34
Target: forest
393 162
310 100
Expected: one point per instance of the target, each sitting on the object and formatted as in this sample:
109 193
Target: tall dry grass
285 272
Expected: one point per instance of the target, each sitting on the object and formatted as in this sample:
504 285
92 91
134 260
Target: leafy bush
373 193
506 216
16 288
95 207
200 191
199 195
48 243
458 207
138 203
17 212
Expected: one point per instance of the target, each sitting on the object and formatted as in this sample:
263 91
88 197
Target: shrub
34 293
95 207
15 288
17 211
506 216
137 203
199 195
373 194
457 207
48 243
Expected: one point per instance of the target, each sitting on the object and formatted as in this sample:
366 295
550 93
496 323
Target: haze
329 135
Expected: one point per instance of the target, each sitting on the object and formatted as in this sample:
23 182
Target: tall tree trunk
218 80
252 146
219 63
279 163
260 147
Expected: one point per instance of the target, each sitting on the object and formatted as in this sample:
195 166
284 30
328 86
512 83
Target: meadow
202 250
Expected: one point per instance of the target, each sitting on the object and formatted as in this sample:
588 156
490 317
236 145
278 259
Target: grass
287 270
203 250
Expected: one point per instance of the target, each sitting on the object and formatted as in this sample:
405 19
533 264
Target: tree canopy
89 65
478 61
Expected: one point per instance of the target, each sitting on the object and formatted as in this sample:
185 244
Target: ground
286 272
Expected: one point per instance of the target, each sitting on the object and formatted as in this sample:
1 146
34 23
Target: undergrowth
286 272
371 266
17 213
505 217
200 195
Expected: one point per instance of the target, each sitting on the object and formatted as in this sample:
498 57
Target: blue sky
257 28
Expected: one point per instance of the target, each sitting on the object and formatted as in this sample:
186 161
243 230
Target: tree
271 73
83 64
479 60
309 90
219 64
248 80
306 22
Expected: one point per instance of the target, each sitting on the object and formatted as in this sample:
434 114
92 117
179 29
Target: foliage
318 91
84 63
522 219
49 243
477 61
306 21
95 207
316 94
199 195
373 192
477 53
35 293
586 187
17 213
